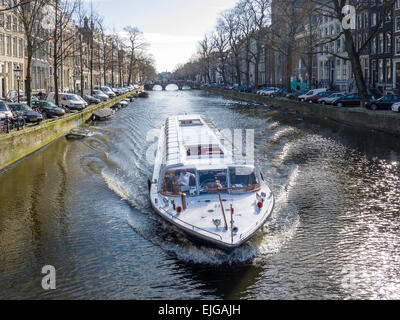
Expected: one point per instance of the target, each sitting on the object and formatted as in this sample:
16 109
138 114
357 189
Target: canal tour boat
199 187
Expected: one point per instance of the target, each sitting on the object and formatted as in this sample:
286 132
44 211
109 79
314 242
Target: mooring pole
231 224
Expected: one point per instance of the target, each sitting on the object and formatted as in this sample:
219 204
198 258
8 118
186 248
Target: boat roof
192 141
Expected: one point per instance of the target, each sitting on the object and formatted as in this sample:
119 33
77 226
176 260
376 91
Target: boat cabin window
204 150
179 181
243 179
210 180
190 122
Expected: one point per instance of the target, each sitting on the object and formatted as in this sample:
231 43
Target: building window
14 40
338 69
397 4
373 70
381 43
366 19
388 42
8 52
397 24
344 72
380 71
20 49
389 17
397 45
2 46
388 70
373 19
373 46
15 24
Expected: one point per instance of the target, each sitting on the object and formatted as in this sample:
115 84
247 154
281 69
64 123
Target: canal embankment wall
20 144
380 120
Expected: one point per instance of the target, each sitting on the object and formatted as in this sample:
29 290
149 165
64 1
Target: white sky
172 27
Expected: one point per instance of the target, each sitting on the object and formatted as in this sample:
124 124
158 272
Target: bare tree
205 52
260 14
231 20
62 34
287 20
135 42
29 13
220 43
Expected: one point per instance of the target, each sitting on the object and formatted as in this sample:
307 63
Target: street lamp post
18 74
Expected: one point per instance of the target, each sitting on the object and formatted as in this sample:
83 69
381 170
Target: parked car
12 95
279 93
295 94
310 93
384 102
23 110
35 101
49 109
90 99
68 101
83 100
108 91
98 94
331 98
117 91
240 88
315 98
350 100
5 111
269 91
396 107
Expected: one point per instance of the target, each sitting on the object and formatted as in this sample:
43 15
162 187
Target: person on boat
184 180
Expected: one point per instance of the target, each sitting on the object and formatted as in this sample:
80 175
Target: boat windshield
243 179
210 180
179 181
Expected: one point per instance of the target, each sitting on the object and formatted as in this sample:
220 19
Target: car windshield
3 106
20 107
243 179
72 97
49 104
179 181
388 98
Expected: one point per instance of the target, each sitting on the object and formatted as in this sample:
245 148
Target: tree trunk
81 64
356 68
289 68
28 79
238 71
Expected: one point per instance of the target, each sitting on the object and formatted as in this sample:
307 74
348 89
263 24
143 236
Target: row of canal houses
380 60
13 56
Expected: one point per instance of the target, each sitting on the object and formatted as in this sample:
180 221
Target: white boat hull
221 218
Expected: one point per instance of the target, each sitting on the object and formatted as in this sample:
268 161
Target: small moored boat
102 114
199 187
143 94
79 133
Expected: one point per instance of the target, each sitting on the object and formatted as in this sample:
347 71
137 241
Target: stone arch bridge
179 83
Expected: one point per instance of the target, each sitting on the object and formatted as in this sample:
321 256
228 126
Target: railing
244 235
189 224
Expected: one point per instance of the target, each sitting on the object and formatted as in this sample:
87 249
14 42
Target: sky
171 27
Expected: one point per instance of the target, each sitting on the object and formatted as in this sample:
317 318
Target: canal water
82 207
